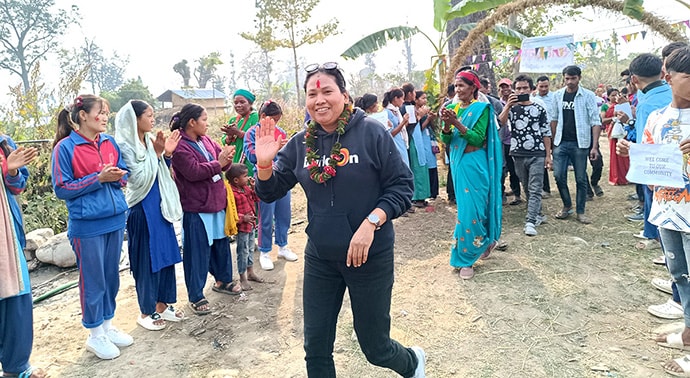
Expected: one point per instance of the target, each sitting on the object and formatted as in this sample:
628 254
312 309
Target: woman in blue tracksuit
16 312
89 174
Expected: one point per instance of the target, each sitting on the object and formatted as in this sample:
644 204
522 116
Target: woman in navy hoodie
198 163
355 182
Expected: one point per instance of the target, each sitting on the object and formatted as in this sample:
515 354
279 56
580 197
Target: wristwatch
375 220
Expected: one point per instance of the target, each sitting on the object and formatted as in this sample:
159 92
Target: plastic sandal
195 307
149 322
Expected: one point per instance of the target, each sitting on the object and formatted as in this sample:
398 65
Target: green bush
40 207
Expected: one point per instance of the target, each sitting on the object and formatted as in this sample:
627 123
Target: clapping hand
111 173
231 131
19 158
226 155
266 145
172 141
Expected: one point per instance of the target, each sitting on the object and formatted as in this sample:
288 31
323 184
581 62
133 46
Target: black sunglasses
326 66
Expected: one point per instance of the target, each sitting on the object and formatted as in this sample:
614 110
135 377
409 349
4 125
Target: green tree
290 18
133 89
206 70
29 29
105 74
266 42
443 14
182 68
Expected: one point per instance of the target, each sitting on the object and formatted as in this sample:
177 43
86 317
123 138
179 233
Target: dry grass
549 306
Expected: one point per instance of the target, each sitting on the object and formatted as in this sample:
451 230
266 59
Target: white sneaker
663 285
421 362
541 219
287 254
530 230
265 261
119 338
102 347
668 310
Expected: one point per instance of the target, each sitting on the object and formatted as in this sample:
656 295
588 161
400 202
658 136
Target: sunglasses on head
326 66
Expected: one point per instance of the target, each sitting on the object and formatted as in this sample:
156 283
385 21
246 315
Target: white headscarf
145 166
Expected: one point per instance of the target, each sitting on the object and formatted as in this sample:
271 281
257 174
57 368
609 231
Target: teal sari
477 183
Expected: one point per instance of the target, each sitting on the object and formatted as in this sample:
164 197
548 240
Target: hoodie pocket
330 234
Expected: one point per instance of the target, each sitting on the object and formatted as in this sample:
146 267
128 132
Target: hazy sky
157 34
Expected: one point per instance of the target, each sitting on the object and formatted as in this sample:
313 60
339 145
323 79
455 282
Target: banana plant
443 13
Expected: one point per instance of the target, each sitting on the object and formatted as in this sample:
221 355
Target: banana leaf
500 33
441 8
468 7
634 9
377 40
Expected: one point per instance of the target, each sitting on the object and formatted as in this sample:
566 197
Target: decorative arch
502 13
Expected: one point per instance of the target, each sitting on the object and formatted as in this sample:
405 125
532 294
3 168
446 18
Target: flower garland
316 173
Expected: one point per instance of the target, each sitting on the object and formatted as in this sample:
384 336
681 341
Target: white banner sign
546 54
656 164
382 117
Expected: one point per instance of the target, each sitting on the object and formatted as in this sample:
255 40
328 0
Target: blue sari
477 183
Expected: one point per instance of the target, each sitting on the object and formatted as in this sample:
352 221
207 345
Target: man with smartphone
530 146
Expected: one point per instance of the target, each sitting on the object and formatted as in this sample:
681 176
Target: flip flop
674 341
648 244
683 363
195 307
466 273
564 213
171 314
28 373
661 260
226 288
149 322
488 251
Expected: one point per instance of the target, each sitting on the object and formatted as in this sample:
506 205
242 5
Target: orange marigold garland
316 173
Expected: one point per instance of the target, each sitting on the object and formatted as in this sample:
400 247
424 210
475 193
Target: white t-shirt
670 206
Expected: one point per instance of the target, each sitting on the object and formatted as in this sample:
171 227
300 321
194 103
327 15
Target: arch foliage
655 23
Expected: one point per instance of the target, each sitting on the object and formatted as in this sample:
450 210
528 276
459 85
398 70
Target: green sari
477 183
243 124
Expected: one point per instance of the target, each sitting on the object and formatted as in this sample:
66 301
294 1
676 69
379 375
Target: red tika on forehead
318 83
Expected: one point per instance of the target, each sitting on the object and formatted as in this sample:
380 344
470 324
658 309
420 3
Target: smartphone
523 97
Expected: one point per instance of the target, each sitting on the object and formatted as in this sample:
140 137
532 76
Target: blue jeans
569 151
245 251
278 214
650 231
676 246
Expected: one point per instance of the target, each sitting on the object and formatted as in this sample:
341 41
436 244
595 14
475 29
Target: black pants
510 169
450 189
369 287
597 167
547 183
433 183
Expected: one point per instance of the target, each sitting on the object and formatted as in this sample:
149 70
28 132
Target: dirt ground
570 302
